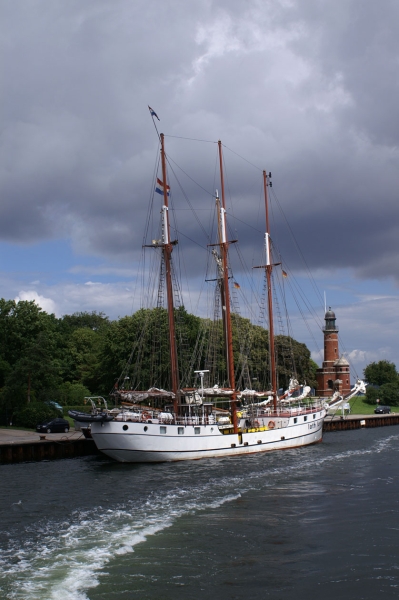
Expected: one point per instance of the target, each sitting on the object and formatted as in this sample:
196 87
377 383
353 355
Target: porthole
125 427
146 428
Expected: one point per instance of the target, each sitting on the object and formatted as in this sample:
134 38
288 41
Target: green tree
82 339
372 393
28 355
378 373
80 361
5 369
71 394
85 320
20 324
137 348
36 371
293 359
389 394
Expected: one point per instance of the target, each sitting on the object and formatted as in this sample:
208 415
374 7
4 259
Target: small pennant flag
153 113
159 187
236 285
285 274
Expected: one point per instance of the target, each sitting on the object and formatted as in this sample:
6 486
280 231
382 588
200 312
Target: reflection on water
317 522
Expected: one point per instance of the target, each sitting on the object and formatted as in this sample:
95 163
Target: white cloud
115 300
47 304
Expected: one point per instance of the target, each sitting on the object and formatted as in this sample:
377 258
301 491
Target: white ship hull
141 442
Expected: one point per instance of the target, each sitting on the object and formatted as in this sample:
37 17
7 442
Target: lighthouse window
180 430
162 429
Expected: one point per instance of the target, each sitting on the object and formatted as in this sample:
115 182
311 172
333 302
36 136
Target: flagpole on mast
167 255
226 308
167 247
269 269
154 114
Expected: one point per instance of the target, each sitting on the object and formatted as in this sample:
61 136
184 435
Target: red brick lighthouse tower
334 374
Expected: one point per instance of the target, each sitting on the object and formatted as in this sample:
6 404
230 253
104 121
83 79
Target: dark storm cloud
306 89
359 41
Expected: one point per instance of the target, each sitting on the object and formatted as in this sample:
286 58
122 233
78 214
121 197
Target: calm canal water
320 522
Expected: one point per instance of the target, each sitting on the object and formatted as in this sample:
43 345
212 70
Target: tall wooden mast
225 293
269 269
167 256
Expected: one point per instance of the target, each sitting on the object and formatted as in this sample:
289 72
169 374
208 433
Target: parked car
53 426
382 410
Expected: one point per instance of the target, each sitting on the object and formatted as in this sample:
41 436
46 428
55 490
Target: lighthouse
334 374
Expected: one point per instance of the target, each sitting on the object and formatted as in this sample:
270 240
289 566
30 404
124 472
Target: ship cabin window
314 416
180 430
162 429
296 420
305 418
197 430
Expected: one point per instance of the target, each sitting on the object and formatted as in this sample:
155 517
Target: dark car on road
382 410
53 426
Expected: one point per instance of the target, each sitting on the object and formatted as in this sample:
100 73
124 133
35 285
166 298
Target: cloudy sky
308 89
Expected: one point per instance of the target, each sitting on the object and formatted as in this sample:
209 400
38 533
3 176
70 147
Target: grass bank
360 407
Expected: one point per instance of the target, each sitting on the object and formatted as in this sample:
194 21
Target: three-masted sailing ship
188 426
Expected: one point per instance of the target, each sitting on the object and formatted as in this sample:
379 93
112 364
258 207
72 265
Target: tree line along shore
44 358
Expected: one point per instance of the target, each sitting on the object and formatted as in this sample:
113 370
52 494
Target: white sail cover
216 391
254 394
140 396
304 394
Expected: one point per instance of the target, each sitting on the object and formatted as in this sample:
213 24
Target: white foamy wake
68 558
